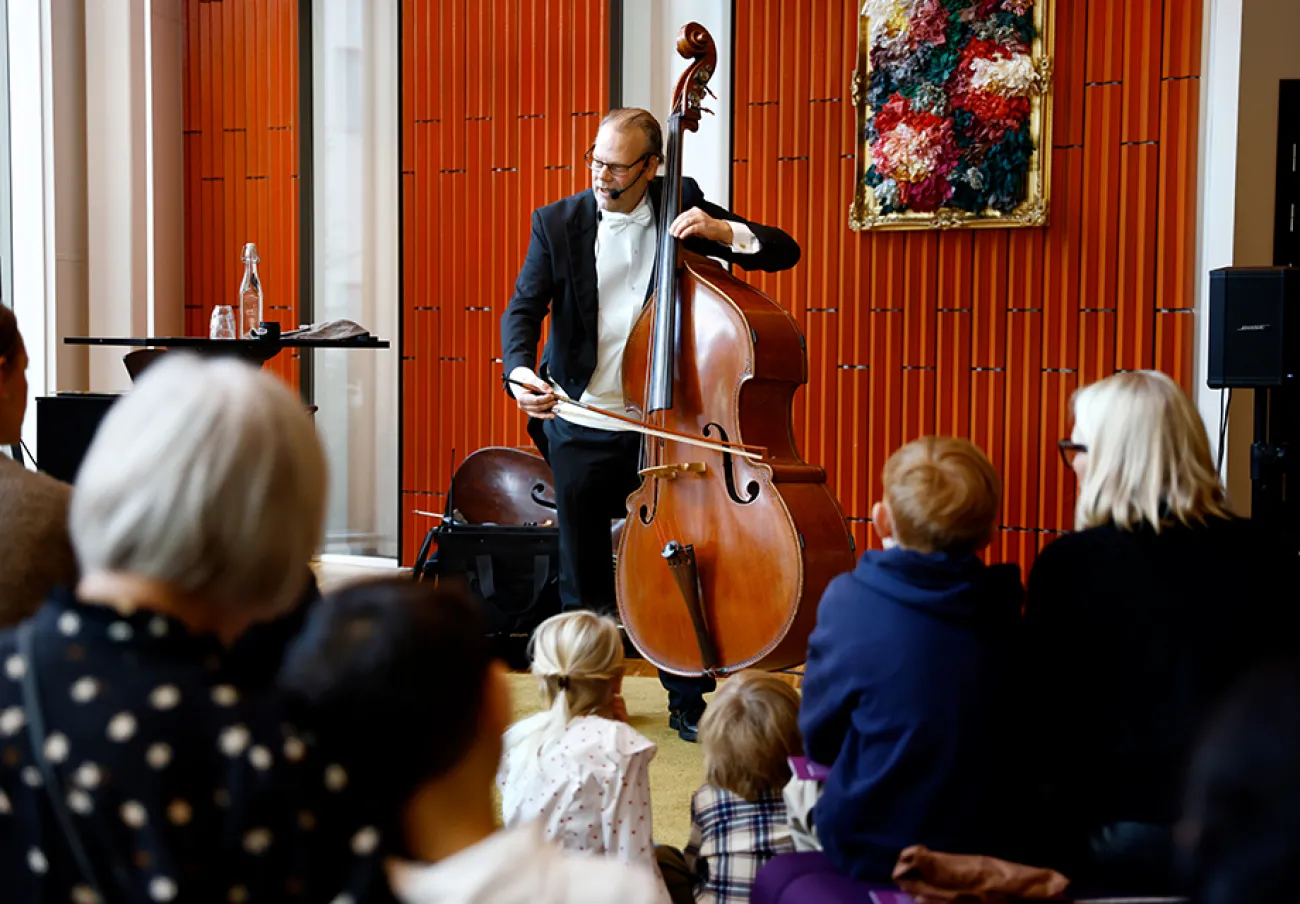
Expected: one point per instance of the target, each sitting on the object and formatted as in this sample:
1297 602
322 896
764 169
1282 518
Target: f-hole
538 495
729 469
647 513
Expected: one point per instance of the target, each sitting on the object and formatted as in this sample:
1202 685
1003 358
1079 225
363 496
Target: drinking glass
223 322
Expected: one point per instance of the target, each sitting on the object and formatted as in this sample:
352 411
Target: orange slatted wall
500 98
980 334
241 158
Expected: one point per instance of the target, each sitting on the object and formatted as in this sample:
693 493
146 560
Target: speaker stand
1274 469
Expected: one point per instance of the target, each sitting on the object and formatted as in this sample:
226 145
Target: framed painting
953 101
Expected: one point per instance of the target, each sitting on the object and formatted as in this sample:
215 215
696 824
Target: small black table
256 350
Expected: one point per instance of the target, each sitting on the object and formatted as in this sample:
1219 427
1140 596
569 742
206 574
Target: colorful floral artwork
952 99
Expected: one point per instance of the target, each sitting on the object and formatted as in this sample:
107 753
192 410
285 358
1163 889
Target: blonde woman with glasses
1138 621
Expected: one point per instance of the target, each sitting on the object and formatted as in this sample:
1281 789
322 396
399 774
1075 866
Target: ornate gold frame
865 211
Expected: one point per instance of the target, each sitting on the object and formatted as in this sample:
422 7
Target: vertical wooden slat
1062 242
1139 226
1176 250
1068 64
1143 23
1174 337
919 333
1182 39
1106 41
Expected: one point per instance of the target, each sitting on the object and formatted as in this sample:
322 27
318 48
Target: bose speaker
1254 327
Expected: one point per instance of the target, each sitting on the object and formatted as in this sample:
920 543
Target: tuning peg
704 109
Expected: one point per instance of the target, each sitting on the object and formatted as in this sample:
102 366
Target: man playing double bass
590 264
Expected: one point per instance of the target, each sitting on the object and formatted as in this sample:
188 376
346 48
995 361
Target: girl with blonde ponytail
577 767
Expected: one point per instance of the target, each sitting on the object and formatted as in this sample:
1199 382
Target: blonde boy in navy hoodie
907 689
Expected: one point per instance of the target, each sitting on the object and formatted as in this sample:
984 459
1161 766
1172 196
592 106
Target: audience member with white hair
1137 623
139 763
33 507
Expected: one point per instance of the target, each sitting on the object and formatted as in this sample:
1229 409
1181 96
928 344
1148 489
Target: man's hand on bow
539 400
696 222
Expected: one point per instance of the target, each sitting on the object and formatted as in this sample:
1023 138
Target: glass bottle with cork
250 294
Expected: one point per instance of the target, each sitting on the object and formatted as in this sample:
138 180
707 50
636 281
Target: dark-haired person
397 679
37 554
590 266
1239 837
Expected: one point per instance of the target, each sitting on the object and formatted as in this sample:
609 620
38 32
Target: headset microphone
616 193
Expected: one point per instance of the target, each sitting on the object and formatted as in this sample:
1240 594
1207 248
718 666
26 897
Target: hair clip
563 682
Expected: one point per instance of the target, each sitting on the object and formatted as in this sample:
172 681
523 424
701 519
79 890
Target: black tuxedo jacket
559 276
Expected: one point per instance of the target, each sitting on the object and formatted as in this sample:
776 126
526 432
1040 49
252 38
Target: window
355 265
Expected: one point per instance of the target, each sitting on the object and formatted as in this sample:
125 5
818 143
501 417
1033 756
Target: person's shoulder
34 486
618 740
1252 542
844 586
563 209
710 803
523 728
1240 528
707 795
1004 588
1083 544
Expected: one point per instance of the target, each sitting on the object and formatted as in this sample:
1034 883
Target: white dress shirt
517 866
625 256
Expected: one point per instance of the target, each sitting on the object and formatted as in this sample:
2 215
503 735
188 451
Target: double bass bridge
674 470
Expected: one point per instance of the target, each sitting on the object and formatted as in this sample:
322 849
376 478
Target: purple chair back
809 878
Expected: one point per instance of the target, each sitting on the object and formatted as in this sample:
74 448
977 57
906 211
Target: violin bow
754 453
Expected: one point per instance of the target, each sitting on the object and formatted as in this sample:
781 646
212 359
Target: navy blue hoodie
907 695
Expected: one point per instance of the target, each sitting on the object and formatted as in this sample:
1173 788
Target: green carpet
677 769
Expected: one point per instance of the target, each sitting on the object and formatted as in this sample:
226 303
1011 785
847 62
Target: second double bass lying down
730 537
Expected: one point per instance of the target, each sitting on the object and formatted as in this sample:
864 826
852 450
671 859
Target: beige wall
1270 52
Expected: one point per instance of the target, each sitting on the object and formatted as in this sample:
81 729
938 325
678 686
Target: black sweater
1134 637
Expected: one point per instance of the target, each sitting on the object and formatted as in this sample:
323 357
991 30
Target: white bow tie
641 217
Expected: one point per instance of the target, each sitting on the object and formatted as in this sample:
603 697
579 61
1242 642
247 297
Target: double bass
731 537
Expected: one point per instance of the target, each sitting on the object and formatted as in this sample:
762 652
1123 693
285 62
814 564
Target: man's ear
880 521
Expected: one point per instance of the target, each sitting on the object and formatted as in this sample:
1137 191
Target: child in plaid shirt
738 817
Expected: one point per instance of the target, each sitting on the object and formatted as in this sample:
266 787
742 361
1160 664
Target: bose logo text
1253 327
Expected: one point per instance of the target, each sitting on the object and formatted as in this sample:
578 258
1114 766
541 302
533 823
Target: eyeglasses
1070 449
617 170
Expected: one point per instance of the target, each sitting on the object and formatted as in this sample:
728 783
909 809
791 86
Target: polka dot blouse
179 775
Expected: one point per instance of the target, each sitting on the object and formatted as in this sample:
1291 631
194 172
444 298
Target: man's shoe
686 724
